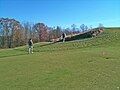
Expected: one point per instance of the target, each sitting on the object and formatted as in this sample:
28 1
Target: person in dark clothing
63 36
30 45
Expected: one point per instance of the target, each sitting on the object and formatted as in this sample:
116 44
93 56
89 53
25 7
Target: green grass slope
110 37
91 64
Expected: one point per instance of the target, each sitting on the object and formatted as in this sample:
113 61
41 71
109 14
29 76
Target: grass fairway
92 64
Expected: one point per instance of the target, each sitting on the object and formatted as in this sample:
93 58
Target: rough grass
92 64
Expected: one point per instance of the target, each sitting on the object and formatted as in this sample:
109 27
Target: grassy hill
89 64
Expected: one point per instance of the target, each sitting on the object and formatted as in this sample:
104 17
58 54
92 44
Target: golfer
63 36
30 45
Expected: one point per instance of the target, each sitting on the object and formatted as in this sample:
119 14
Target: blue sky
63 12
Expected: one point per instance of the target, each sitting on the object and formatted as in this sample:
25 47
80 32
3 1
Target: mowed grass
92 64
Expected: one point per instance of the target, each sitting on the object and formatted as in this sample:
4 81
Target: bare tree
82 27
73 28
67 31
26 32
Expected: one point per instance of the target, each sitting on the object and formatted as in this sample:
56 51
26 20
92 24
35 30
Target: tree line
13 33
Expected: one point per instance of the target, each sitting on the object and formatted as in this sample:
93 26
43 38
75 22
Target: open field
91 64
